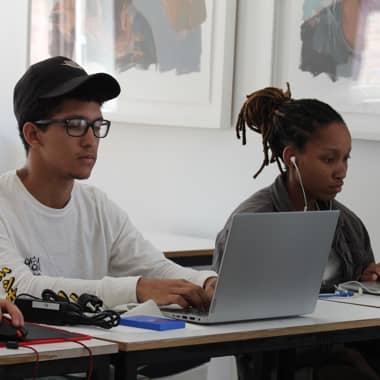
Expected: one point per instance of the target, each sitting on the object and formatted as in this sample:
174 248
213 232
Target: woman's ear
287 153
31 134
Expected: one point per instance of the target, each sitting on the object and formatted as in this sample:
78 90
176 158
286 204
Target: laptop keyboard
188 311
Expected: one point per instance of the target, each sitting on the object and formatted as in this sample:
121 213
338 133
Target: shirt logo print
34 265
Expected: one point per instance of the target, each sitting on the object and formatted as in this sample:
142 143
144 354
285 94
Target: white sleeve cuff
119 290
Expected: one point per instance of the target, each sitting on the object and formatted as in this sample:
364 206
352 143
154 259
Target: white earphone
293 161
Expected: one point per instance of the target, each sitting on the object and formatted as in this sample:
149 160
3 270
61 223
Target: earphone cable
301 184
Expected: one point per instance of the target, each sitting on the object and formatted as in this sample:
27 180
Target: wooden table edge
189 253
66 353
247 335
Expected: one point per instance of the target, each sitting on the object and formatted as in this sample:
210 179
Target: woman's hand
371 273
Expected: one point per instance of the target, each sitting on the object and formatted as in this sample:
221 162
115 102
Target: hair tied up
258 110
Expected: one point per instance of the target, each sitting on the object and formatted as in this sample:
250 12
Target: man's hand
13 311
371 273
166 292
209 287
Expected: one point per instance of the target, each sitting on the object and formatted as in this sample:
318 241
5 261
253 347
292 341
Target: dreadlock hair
281 121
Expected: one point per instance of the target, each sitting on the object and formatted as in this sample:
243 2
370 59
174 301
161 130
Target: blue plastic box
152 323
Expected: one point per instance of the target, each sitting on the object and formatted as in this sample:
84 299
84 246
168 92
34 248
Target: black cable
90 302
28 296
88 310
105 319
49 295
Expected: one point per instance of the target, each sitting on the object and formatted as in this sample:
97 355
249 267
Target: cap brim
103 86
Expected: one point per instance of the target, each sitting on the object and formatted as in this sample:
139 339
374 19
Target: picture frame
173 58
312 53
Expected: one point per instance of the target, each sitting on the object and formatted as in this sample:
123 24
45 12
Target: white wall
186 180
12 40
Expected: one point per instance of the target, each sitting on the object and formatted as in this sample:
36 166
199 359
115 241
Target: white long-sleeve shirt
89 246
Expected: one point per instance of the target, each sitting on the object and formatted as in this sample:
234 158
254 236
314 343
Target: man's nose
89 138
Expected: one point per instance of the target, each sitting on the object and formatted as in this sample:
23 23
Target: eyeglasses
77 127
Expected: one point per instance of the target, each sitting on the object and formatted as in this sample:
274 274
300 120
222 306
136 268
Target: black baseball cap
57 76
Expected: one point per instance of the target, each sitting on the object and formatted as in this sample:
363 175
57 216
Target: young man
60 234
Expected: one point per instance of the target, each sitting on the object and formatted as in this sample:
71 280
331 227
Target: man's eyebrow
80 117
73 116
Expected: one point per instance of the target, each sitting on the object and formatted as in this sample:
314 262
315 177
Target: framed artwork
172 58
329 49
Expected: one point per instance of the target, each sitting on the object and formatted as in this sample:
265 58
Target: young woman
310 143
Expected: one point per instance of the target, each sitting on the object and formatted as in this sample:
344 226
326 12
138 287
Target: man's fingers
177 299
195 296
164 292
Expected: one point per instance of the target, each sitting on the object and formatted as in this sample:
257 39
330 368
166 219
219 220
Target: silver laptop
272 266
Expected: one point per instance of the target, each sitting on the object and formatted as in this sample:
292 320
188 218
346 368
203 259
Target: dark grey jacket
351 241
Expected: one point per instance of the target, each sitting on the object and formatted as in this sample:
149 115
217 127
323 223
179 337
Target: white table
56 359
330 323
358 299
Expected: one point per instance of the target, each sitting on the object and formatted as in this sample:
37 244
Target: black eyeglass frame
89 124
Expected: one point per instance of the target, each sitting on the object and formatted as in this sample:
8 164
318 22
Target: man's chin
80 176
